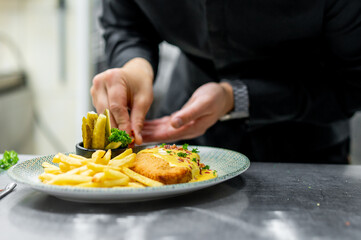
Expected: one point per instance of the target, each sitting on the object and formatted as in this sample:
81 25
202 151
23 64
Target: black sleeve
128 34
336 96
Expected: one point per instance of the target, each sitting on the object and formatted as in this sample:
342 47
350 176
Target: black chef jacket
300 60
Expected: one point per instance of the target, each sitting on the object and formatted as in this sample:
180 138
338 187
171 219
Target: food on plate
98 171
170 164
98 134
151 167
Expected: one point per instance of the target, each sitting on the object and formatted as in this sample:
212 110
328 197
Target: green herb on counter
10 158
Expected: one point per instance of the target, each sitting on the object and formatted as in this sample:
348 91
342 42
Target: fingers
109 90
160 130
139 110
99 93
169 134
191 111
119 89
203 110
118 104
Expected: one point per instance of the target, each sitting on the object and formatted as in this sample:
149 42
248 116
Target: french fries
98 171
142 179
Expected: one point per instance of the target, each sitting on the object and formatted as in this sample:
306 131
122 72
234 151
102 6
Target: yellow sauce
186 159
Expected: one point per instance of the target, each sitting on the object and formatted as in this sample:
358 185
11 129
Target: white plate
227 163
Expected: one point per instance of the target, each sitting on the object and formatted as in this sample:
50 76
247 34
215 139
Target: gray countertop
268 201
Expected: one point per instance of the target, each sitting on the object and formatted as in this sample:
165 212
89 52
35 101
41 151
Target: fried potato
96 167
77 170
99 171
118 183
48 165
88 184
123 162
113 174
135 185
64 167
88 172
56 158
97 155
124 154
69 160
69 179
98 140
115 182
98 177
52 171
106 158
46 176
79 157
142 179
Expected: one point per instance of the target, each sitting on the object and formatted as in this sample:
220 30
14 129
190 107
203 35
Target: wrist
240 100
229 97
141 67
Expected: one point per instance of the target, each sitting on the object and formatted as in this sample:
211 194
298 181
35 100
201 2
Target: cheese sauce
177 156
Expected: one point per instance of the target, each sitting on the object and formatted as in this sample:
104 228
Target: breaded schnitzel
170 164
160 170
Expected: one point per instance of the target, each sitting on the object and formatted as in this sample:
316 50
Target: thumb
190 111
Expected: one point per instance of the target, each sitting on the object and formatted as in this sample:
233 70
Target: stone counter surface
268 201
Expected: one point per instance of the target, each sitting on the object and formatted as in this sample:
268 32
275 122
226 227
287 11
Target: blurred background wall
39 39
49 52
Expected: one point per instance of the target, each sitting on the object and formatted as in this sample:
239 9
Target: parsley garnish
195 150
120 136
194 160
214 172
182 154
185 146
10 158
206 167
162 145
169 152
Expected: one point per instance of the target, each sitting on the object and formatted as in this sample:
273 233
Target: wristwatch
241 101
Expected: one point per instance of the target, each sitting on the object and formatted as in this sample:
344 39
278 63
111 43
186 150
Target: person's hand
208 103
127 92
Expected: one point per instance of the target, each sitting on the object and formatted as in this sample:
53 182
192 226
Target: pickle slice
113 145
98 141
